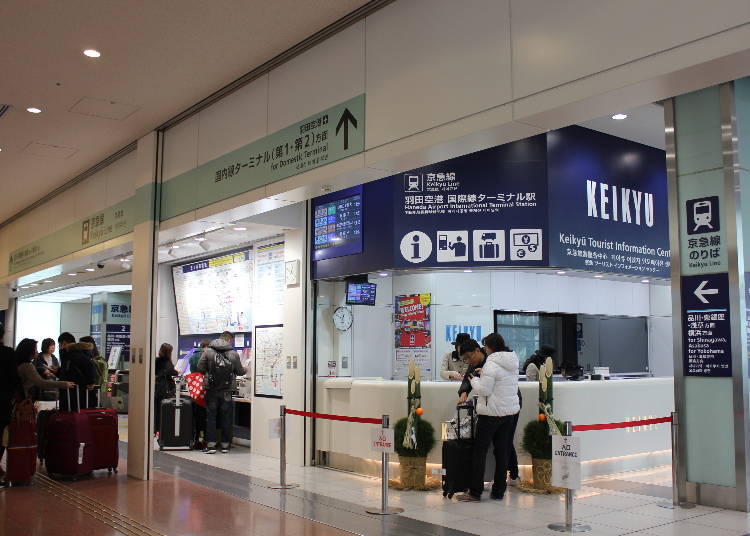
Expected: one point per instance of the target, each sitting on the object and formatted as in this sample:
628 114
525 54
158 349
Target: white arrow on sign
701 291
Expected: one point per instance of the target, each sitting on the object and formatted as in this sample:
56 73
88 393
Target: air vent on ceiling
103 108
49 151
3 108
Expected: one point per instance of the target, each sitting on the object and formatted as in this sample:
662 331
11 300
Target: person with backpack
78 367
99 363
221 365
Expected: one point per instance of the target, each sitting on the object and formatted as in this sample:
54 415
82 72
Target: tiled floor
621 504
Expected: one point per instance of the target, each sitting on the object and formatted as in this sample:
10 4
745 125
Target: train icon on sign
412 182
702 215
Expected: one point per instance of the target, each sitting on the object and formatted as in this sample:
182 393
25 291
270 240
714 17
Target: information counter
346 445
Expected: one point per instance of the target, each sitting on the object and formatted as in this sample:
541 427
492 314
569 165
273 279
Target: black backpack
220 373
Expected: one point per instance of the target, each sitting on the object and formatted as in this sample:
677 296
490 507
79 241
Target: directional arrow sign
346 118
702 291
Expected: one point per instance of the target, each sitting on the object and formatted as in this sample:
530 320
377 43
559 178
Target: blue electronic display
337 224
361 293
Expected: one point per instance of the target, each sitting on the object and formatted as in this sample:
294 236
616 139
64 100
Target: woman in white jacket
496 384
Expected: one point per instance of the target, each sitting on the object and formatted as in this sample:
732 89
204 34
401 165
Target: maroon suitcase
106 437
21 444
69 448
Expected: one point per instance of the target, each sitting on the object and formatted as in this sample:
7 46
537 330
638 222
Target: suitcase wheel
109 470
445 493
450 495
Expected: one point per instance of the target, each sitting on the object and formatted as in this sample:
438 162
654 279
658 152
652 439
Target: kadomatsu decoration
414 438
537 435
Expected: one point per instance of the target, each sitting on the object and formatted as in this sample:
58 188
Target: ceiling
644 124
78 294
158 58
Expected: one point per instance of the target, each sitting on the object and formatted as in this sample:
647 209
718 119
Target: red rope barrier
333 417
615 425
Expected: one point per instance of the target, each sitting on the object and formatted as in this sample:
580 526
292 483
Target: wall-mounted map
215 295
269 361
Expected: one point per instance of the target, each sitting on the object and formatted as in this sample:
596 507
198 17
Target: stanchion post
282 452
384 508
568 526
674 427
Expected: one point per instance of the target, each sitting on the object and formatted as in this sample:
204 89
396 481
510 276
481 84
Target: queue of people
28 376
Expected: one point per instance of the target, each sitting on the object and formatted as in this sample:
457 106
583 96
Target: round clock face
342 318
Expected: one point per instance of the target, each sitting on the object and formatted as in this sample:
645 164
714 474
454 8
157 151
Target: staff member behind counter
454 367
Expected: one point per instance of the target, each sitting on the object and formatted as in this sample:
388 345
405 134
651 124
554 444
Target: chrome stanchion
282 453
384 508
568 526
675 489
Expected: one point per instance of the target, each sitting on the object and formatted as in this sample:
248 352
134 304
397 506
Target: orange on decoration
419 411
542 417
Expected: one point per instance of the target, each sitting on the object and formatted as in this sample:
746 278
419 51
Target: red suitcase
21 444
106 437
69 449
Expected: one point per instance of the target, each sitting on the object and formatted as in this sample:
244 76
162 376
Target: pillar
708 149
143 317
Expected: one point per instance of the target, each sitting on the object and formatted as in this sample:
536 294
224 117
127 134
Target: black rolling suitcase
176 422
458 453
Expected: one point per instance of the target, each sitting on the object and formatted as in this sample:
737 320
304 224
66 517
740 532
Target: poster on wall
488 207
215 295
413 334
610 204
269 362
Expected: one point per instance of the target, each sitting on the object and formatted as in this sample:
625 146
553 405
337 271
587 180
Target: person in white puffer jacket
496 384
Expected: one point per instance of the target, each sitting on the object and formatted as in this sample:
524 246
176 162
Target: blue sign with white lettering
706 326
485 208
609 204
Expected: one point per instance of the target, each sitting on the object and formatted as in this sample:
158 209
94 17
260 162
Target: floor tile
688 528
725 519
626 520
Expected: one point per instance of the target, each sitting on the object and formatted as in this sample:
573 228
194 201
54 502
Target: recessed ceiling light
34 110
619 117
175 246
91 53
24 288
240 228
90 270
467 271
48 281
645 281
72 275
598 276
124 259
383 274
33 284
199 238
560 272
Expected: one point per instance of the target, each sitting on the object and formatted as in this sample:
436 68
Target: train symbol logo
703 215
526 245
412 182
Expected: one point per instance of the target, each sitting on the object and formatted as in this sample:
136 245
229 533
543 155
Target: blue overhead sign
609 204
488 207
571 198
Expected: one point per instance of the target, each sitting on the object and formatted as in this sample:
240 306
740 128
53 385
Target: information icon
416 247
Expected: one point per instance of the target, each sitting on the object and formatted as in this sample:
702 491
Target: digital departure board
337 226
361 293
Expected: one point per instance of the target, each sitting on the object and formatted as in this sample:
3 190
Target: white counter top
582 402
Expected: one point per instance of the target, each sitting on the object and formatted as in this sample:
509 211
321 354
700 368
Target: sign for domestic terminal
566 462
327 136
706 328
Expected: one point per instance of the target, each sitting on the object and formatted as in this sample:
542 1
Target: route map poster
215 295
270 283
269 362
413 334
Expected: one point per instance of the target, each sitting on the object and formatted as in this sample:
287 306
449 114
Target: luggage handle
78 399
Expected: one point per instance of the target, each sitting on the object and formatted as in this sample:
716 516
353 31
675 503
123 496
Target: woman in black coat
164 383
